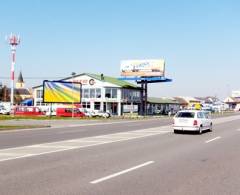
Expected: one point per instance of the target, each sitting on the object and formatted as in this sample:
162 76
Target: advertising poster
143 68
61 92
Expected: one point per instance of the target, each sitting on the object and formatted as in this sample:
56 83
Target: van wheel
175 131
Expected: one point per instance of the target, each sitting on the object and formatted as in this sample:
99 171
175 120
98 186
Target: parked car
100 113
27 111
87 112
192 120
4 111
68 112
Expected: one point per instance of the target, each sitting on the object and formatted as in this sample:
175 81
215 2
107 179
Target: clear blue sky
200 40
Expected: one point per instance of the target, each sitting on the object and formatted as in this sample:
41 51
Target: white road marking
121 172
238 129
52 147
212 139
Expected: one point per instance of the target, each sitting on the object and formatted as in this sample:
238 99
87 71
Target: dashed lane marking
216 138
121 172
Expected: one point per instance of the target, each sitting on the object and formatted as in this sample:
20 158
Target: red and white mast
13 41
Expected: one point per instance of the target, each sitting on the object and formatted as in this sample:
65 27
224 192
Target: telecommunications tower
13 41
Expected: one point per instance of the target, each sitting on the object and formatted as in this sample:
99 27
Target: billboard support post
146 95
73 74
50 115
141 99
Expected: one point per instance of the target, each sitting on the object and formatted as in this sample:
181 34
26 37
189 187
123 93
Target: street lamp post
13 41
73 74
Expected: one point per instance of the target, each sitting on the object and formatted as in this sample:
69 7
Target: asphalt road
121 157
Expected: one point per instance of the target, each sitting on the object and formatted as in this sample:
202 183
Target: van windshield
185 115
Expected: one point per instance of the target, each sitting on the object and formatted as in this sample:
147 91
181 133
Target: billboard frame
60 81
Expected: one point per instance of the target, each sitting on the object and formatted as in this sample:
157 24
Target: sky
199 40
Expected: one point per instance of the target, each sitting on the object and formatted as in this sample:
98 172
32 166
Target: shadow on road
191 132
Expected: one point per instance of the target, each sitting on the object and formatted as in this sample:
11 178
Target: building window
86 105
39 93
114 93
97 105
108 93
38 103
86 93
98 93
111 93
131 95
92 93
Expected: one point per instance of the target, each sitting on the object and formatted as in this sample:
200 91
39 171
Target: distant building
100 92
186 102
20 83
162 105
182 102
208 99
20 92
233 101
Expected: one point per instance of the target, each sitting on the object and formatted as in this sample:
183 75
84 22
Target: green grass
15 127
9 117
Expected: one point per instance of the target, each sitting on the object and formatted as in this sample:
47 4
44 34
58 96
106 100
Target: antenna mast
13 41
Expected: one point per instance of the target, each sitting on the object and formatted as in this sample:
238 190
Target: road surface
141 157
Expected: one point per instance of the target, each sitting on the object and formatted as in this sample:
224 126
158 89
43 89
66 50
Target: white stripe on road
121 172
212 139
52 147
51 125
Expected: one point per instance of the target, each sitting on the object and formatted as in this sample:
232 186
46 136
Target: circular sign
91 82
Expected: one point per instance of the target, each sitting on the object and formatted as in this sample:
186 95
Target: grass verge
16 127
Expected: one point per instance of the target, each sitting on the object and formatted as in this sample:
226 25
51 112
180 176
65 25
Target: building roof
181 100
20 78
113 80
187 99
22 91
232 100
101 77
208 99
156 100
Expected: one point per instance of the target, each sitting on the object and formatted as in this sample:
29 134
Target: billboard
61 92
144 68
